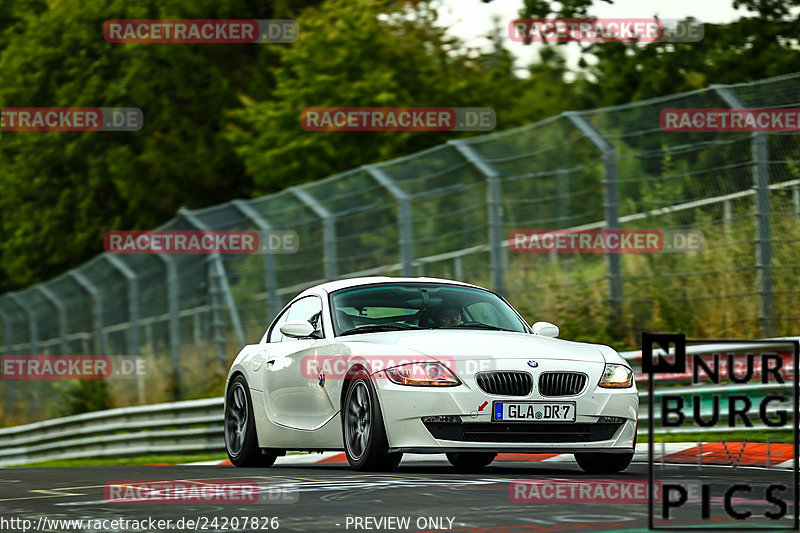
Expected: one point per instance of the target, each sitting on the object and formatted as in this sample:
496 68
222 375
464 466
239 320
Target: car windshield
401 306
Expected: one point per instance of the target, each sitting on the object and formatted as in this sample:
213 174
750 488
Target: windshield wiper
477 326
377 327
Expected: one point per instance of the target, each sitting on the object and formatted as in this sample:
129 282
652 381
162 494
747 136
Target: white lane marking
344 484
439 458
57 492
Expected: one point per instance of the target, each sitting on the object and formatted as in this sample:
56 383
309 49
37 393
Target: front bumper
403 409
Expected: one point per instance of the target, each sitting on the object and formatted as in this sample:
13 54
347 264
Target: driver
448 317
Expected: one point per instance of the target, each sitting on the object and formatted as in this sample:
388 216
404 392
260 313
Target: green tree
60 191
357 54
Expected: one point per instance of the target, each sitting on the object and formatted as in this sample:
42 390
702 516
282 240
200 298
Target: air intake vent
505 383
562 383
527 432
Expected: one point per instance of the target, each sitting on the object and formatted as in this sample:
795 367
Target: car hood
476 344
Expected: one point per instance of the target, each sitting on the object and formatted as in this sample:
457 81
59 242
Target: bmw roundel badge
533 364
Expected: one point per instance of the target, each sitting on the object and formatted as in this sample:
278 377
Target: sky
471 20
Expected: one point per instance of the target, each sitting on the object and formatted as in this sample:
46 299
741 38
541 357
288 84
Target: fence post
270 274
727 217
217 270
61 309
174 322
133 301
218 265
494 200
33 337
458 268
217 308
328 229
6 329
33 327
760 157
7 335
405 238
610 205
97 310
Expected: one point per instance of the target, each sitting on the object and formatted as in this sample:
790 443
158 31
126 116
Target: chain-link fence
447 212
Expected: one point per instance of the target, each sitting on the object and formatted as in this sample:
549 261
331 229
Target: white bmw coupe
382 366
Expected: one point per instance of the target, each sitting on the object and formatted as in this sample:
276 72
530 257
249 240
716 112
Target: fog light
610 420
442 418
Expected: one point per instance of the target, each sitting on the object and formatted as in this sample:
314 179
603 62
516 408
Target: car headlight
422 375
616 377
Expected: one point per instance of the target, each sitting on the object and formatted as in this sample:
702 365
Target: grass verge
123 461
775 437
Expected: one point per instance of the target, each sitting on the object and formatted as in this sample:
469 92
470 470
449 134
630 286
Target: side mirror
545 329
297 329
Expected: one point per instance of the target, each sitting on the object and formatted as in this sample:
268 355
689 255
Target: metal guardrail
754 391
176 427
635 355
197 425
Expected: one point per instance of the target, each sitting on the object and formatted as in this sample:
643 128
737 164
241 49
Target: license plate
534 411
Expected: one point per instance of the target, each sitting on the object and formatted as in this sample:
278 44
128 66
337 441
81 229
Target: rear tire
241 441
469 461
363 431
603 463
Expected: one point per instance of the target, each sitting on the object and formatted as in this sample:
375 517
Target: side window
310 309
275 335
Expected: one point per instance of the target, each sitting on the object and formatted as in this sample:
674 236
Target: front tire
241 441
363 431
603 463
469 461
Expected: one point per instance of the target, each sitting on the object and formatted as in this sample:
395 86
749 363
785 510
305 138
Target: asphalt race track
331 497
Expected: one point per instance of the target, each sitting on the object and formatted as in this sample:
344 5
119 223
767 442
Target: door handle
270 361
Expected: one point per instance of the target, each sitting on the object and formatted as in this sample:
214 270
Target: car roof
332 286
